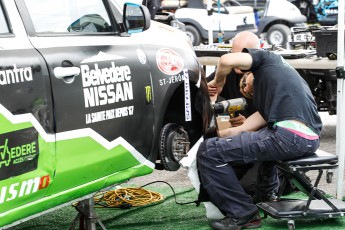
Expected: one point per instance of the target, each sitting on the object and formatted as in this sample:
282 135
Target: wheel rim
277 38
174 145
190 36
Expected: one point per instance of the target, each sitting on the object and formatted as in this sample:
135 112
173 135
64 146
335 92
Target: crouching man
286 126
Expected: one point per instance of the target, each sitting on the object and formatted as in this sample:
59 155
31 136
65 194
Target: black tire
193 35
278 35
231 3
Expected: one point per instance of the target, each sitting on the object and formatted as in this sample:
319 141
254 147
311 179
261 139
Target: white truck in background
228 17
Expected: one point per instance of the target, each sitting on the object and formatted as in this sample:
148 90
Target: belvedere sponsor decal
109 114
106 85
15 75
19 152
23 188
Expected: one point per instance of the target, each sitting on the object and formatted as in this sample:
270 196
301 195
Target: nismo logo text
24 188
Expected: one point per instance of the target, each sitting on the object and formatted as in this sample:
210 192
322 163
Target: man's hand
237 121
229 132
214 88
213 92
252 123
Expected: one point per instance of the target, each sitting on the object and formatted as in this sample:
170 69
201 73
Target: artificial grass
164 215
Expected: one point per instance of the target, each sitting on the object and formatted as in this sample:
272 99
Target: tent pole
210 27
340 129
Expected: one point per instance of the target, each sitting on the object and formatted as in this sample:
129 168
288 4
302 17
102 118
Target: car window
3 23
74 16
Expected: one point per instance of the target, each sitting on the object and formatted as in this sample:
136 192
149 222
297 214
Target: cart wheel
291 224
332 56
329 176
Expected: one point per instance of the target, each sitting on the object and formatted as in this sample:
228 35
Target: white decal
15 75
141 56
104 86
171 79
187 103
109 114
101 56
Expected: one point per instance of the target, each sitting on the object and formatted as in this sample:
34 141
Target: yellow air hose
126 197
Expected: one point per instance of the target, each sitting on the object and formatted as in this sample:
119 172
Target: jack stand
86 217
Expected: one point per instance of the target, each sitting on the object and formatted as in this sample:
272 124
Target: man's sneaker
268 197
227 223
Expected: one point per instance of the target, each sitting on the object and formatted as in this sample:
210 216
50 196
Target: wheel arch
188 21
173 111
269 24
176 105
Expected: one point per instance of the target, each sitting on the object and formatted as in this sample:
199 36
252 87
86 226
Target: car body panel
80 112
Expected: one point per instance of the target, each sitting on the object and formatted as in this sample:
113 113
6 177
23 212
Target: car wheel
193 35
278 35
174 144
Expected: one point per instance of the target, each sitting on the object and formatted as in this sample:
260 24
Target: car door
101 88
27 150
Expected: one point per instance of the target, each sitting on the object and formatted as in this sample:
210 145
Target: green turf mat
164 215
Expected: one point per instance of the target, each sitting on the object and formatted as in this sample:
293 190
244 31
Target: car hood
162 34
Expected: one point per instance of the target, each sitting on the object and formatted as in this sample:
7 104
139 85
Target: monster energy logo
148 94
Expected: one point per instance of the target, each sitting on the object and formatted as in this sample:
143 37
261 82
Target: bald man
255 186
231 88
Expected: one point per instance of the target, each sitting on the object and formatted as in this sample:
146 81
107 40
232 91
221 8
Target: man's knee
201 152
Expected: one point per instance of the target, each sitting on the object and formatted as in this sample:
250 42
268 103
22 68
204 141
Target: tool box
326 42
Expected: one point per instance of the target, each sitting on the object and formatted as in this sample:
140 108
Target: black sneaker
269 197
227 223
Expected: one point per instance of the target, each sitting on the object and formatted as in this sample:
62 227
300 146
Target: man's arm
225 65
252 123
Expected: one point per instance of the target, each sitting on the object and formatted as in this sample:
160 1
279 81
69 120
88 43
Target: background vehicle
230 17
277 19
226 19
90 96
169 18
323 12
327 12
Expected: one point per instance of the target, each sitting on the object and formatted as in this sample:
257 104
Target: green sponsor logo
17 154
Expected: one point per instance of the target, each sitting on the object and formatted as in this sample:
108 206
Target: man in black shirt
286 126
251 176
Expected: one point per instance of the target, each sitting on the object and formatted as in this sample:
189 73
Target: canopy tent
210 32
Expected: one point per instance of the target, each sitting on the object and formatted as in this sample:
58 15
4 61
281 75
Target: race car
92 94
